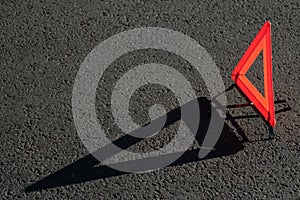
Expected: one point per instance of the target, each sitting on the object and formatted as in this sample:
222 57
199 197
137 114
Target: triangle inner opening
255 74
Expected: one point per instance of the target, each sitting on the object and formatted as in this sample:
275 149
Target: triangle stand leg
271 129
271 133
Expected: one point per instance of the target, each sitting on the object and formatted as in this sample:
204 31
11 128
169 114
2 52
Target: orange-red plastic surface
264 104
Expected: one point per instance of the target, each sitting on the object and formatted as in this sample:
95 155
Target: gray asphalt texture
43 44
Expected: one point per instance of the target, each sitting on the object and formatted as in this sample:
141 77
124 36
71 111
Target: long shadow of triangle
87 169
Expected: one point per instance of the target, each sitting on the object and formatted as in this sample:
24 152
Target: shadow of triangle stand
264 105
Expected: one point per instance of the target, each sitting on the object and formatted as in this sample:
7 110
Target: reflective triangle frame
264 104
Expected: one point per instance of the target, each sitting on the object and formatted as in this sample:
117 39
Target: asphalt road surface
43 44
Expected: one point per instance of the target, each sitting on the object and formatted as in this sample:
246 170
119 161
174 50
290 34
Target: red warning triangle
264 104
